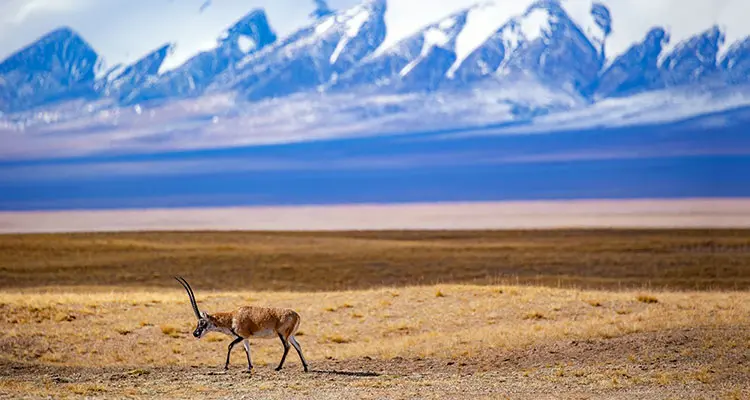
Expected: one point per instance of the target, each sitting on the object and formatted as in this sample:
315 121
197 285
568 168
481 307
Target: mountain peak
60 65
694 59
134 76
321 9
253 26
637 69
736 62
247 35
310 56
415 62
566 46
61 33
602 17
553 6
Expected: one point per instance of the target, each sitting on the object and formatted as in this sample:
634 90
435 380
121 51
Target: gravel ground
685 364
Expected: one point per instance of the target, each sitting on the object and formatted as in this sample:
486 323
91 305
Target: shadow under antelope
246 322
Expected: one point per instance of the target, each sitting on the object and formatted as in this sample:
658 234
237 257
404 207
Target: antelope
248 321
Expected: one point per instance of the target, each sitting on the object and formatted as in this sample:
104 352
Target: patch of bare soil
685 364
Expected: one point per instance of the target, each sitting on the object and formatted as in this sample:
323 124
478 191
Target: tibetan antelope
246 322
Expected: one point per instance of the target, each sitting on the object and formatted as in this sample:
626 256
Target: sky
124 30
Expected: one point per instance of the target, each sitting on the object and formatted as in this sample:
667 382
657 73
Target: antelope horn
191 295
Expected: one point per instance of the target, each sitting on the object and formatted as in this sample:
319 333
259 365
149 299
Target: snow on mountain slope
559 54
736 62
60 65
131 78
483 21
310 56
693 60
437 40
595 22
567 53
659 107
630 20
419 61
488 19
212 121
681 19
216 121
250 34
488 57
635 71
543 43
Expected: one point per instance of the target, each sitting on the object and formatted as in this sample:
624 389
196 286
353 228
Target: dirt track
685 364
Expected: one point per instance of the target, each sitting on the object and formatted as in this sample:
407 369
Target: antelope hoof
305 368
278 368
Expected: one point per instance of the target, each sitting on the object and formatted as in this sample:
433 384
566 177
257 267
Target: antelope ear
204 315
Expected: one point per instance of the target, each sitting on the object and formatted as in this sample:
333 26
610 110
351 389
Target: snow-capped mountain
310 56
736 63
61 65
250 34
124 83
543 43
693 61
635 71
416 62
550 56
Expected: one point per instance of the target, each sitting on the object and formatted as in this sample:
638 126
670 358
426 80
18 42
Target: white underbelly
265 333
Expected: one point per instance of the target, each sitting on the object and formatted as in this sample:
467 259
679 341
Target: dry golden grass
108 327
622 307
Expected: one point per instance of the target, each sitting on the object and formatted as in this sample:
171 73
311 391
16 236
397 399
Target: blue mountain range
342 52
330 104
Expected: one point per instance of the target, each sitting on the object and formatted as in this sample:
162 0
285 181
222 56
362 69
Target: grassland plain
514 314
329 261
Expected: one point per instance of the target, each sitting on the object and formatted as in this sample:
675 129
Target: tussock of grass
170 331
594 303
647 299
536 315
733 394
336 339
64 317
704 375
85 389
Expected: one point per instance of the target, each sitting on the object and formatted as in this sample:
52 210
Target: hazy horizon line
465 215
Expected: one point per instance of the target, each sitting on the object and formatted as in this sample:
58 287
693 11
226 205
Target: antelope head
204 320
